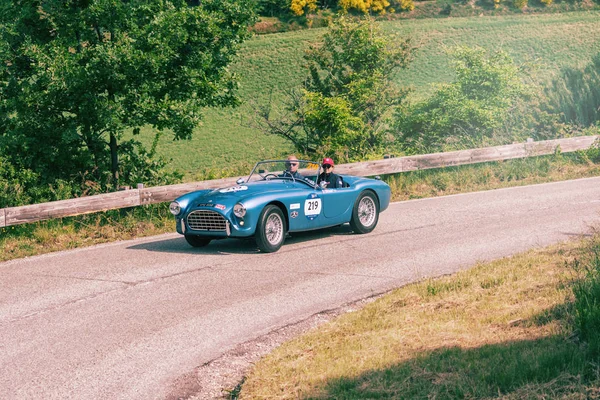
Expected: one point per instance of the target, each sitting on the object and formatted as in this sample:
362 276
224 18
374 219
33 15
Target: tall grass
485 176
575 94
587 296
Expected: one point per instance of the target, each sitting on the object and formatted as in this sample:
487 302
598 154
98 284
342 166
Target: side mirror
240 181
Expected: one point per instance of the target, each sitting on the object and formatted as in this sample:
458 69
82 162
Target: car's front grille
204 220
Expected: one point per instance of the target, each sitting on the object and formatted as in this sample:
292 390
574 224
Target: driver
291 166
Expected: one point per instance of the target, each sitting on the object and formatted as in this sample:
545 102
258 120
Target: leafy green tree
340 109
273 8
466 112
76 73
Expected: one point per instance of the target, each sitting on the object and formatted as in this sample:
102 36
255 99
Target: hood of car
226 197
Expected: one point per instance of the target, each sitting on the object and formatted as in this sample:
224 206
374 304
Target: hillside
268 65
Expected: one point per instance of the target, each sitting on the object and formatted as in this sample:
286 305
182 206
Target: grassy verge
503 329
494 175
81 231
67 233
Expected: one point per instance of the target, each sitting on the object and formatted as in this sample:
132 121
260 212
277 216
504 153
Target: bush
404 5
268 25
467 112
520 4
15 185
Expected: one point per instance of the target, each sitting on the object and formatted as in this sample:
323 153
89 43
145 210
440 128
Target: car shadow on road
236 246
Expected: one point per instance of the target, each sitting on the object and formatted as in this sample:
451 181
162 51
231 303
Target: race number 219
312 207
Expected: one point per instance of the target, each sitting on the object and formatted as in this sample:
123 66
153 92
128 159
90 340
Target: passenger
291 166
328 179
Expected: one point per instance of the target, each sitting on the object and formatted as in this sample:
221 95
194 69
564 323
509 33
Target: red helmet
328 161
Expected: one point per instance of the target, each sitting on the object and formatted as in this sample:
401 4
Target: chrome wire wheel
274 229
367 211
271 229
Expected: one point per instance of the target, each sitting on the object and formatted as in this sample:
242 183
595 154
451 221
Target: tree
300 7
273 7
76 73
365 6
340 108
467 111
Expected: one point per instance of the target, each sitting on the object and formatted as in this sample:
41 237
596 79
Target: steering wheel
270 176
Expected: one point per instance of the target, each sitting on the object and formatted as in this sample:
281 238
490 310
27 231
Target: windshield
295 170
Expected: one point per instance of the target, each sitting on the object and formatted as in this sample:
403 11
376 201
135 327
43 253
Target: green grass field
268 65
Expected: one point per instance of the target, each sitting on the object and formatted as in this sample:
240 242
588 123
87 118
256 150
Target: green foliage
340 109
587 296
139 165
75 75
466 112
14 184
403 5
575 94
273 7
520 4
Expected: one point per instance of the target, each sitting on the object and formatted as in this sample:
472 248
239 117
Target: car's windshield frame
279 173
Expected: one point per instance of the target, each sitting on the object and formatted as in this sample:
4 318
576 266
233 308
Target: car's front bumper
226 226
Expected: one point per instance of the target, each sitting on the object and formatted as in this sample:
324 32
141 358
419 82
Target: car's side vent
204 220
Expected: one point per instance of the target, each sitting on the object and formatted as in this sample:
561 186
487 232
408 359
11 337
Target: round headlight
239 210
175 208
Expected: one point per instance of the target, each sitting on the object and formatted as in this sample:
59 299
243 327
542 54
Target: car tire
365 214
197 241
270 229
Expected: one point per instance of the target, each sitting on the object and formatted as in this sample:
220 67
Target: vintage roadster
272 201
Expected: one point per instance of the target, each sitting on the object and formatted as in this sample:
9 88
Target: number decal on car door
312 207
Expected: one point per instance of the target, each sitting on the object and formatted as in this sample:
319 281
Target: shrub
301 7
466 112
520 4
15 185
404 5
267 25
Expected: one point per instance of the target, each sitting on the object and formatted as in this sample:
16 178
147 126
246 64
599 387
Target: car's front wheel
270 230
365 213
197 241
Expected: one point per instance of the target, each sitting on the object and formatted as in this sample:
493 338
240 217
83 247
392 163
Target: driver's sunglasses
327 166
293 164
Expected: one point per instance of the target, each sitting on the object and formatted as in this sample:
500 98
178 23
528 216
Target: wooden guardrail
143 196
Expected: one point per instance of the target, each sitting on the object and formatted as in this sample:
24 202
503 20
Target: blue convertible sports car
279 197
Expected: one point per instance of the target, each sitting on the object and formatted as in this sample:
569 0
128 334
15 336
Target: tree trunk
114 158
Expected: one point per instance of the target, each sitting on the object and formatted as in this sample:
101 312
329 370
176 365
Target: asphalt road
126 320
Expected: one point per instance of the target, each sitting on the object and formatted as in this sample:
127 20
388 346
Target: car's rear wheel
197 241
365 213
270 230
